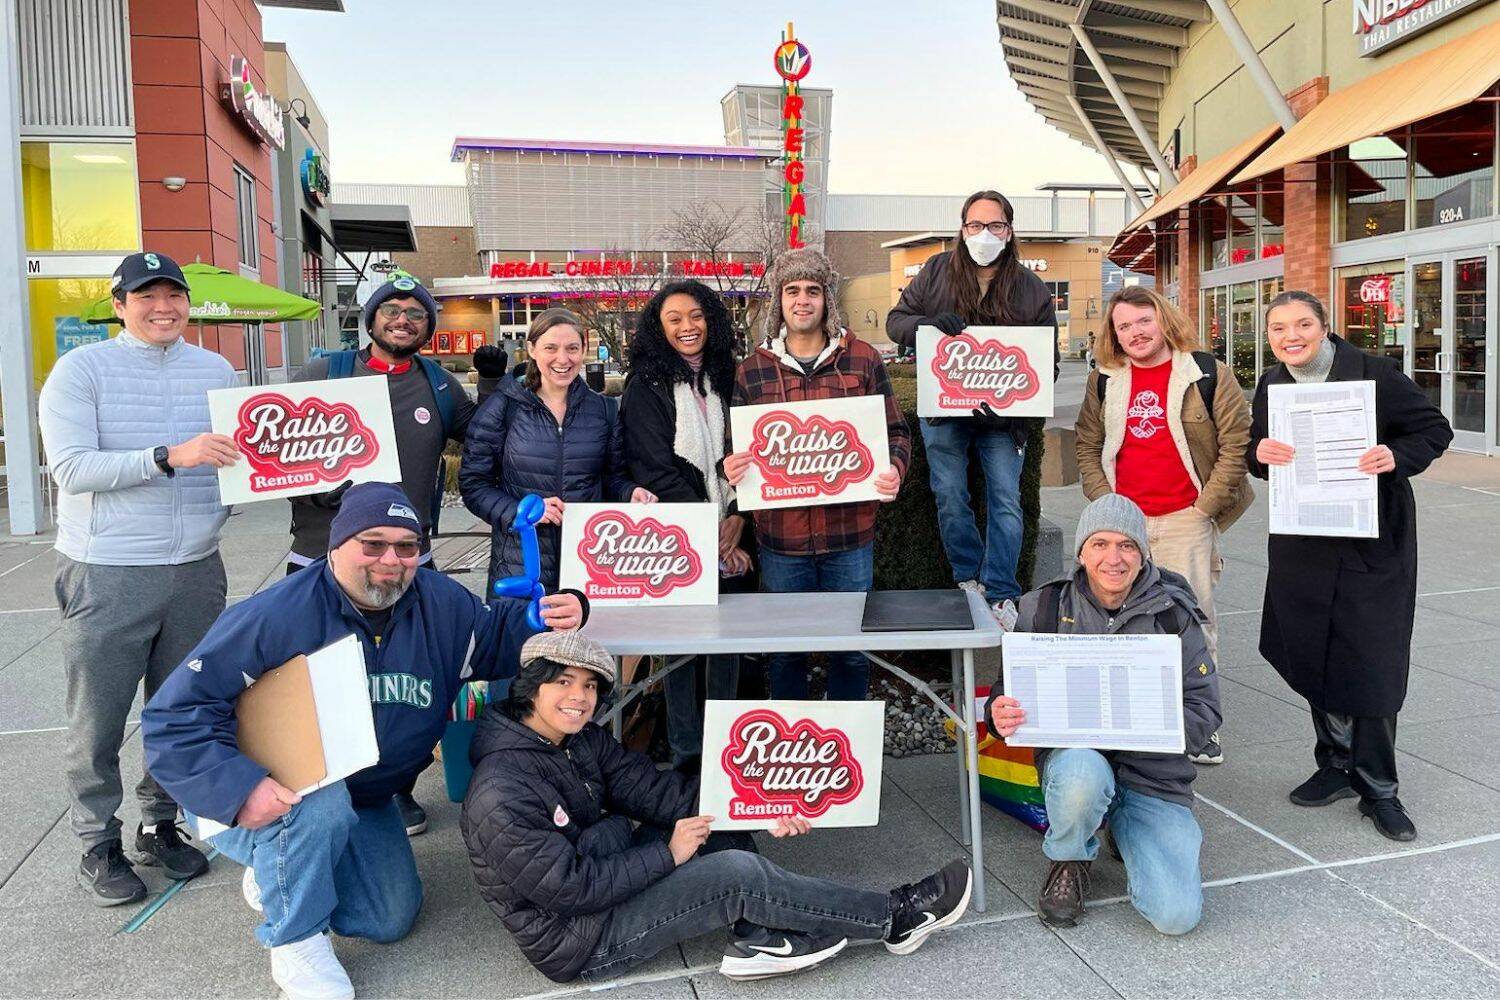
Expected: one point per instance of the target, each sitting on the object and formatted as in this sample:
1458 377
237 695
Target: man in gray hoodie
1146 798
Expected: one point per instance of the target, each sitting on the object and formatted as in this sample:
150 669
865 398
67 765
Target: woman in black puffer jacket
551 435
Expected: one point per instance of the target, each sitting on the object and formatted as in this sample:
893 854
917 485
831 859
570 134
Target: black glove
951 324
490 362
986 417
333 498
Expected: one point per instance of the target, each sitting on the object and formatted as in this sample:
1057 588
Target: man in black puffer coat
585 892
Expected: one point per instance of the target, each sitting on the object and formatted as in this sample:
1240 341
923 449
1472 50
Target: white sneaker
251 890
973 587
1005 614
309 970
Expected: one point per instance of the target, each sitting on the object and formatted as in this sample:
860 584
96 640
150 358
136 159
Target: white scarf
699 439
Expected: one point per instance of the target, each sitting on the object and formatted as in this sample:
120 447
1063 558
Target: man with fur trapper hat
807 354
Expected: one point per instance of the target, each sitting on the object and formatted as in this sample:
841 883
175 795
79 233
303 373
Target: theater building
1346 148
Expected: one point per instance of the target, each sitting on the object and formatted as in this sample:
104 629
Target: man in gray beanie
1146 798
807 354
429 408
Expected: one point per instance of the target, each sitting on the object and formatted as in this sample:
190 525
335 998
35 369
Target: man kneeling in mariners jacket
338 858
1146 798
586 892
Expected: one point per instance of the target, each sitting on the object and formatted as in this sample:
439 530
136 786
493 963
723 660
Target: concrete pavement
1299 902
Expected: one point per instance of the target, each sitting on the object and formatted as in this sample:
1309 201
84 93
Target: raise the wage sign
1008 368
816 451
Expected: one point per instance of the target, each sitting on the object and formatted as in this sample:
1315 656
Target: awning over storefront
1204 178
219 296
1134 249
370 228
1439 80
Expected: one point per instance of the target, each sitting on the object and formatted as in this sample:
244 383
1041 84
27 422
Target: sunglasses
374 548
413 315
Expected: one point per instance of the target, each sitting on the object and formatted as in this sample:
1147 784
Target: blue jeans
993 561
833 573
1159 840
714 891
327 865
684 716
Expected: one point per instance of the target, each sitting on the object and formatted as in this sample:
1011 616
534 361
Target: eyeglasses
996 228
374 548
413 315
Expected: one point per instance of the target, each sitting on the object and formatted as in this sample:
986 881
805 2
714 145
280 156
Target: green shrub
908 548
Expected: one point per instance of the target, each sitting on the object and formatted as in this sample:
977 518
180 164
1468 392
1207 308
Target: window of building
1215 234
1243 217
1269 289
1215 326
1369 308
1166 259
1059 291
1272 223
80 196
1244 323
244 190
1374 188
55 327
1453 166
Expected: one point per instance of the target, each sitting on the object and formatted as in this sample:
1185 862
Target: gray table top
771 623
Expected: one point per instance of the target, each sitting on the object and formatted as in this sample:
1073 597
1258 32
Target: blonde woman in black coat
1338 612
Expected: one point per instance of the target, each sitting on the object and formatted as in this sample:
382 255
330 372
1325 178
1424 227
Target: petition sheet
1107 692
1322 491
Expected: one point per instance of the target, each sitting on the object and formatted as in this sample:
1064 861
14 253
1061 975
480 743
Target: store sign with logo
305 438
764 761
1034 263
627 554
314 174
793 61
609 268
1383 24
260 113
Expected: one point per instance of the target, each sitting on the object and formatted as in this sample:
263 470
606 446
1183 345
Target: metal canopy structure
1111 60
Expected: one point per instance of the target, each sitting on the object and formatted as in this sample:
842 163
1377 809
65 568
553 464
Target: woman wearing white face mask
979 283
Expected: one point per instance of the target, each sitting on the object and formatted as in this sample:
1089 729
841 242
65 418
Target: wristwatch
159 456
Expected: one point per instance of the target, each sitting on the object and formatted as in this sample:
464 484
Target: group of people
590 855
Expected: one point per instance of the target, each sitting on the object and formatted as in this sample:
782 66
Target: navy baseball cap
141 269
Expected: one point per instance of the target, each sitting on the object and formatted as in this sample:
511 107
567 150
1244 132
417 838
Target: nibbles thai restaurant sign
811 452
766 760
1008 368
1384 24
638 553
305 437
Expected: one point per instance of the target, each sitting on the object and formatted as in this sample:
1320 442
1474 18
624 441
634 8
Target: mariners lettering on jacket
400 689
626 558
970 372
808 458
788 769
301 445
1143 413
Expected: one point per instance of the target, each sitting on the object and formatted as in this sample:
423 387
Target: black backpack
1207 385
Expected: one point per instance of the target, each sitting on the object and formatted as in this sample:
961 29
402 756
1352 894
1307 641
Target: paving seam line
1446 939
25 562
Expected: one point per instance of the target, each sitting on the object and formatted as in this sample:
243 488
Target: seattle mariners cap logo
153 262
401 510
404 284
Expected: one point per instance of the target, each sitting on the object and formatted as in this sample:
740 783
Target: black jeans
1365 747
716 889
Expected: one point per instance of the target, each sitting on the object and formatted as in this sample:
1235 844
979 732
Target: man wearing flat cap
1146 798
338 858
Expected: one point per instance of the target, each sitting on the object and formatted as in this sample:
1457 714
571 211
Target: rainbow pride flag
1007 775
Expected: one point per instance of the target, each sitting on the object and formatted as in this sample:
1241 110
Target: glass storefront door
1451 342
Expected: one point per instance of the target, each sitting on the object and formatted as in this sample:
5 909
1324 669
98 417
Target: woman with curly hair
675 409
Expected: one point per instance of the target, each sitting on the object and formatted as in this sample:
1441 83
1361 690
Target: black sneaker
919 908
1210 753
758 953
106 873
1326 786
1389 817
165 848
413 816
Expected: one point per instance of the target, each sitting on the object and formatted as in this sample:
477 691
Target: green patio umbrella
220 296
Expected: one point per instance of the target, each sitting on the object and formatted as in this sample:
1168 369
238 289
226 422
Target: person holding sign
550 435
979 283
126 428
675 411
808 355
1338 612
336 859
1146 798
550 823
1167 425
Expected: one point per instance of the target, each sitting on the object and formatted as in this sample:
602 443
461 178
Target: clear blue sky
922 103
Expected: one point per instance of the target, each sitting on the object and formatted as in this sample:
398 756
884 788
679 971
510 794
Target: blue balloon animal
529 585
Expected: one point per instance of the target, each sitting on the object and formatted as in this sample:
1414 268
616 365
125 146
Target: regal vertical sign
793 62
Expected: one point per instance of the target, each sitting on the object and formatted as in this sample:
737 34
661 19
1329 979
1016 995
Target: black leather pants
1363 746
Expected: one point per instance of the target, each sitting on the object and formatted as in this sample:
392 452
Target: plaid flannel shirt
847 367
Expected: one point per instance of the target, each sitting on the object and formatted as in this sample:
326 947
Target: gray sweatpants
122 625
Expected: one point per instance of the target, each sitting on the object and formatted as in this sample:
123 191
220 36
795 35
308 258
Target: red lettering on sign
794 140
